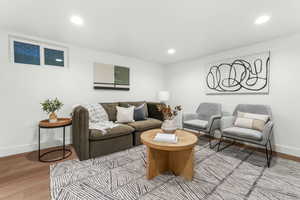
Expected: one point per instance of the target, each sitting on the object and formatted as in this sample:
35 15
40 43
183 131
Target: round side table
61 123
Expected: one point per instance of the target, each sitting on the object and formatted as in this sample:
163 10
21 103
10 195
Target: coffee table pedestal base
178 162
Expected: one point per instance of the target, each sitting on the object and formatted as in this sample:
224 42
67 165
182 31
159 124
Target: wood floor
24 177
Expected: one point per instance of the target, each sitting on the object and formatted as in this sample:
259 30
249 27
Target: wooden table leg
181 163
157 162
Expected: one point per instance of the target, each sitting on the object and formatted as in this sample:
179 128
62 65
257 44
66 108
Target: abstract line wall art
242 75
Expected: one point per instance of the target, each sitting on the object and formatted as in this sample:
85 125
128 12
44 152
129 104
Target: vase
52 117
169 126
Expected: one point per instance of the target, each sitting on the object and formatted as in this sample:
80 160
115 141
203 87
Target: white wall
23 87
186 83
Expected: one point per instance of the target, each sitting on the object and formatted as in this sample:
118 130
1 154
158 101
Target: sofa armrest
227 122
80 132
268 131
153 111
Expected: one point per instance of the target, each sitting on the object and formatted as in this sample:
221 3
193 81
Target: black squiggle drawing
238 75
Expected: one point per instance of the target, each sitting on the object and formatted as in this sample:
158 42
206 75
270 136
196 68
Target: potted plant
169 125
51 106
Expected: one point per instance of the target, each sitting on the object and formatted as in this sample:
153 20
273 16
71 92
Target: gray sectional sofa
91 143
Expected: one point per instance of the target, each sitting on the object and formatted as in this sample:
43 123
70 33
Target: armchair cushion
190 116
243 133
206 110
202 124
227 121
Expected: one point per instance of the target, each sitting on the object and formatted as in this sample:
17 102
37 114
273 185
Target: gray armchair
262 138
206 119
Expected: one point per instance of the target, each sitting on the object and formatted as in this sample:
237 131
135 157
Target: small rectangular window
54 57
26 53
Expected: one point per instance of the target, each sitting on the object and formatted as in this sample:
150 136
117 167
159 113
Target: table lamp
163 96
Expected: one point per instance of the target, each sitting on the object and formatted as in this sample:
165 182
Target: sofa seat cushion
147 124
197 123
119 130
243 133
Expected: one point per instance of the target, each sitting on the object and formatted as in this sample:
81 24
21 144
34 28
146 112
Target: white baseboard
13 150
287 150
293 151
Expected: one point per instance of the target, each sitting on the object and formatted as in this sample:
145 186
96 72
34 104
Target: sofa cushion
146 124
111 109
197 123
135 103
243 133
119 130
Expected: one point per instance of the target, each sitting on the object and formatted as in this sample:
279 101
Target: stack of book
165 137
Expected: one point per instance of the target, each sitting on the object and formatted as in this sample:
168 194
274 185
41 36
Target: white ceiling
147 28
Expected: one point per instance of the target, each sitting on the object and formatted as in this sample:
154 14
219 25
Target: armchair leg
269 153
267 156
220 141
230 144
210 136
210 143
271 149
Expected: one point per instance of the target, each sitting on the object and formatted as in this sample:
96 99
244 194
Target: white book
165 137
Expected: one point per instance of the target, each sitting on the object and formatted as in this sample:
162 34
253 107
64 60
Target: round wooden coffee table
177 158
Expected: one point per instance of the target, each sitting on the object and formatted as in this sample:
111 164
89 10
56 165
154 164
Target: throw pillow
139 112
249 123
135 103
125 115
264 118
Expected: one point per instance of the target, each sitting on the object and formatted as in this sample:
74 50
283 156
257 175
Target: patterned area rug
233 174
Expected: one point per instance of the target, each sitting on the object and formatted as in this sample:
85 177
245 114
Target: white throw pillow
243 122
256 124
264 118
125 115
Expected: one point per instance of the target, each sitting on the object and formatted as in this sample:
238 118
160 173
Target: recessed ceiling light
262 19
171 51
76 20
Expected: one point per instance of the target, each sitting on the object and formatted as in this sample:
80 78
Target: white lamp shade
163 96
